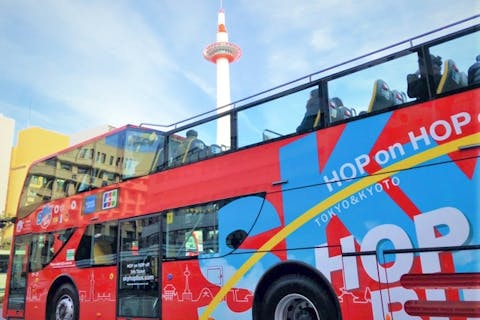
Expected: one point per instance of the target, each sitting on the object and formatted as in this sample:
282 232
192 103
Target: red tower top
222 48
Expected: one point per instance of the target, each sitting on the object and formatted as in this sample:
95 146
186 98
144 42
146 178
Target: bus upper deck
418 73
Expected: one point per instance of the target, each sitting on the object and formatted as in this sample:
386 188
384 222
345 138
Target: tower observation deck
219 50
222 53
222 48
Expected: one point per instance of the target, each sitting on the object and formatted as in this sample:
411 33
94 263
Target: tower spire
222 53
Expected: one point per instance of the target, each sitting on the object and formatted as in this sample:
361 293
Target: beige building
32 144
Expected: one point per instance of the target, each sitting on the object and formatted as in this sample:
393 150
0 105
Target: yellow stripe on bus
329 202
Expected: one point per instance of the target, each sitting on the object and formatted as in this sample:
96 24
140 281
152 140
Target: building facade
32 144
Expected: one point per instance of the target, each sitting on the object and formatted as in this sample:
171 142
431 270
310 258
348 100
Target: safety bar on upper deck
310 77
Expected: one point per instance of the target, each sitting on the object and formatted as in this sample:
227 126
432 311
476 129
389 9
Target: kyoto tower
222 53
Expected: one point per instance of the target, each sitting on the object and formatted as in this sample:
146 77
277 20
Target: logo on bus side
44 217
438 131
100 201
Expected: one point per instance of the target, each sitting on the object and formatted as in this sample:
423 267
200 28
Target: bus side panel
187 290
354 195
382 185
97 291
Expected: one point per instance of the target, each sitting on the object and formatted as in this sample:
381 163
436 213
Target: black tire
296 297
64 304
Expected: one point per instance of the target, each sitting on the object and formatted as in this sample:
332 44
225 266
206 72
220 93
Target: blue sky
68 66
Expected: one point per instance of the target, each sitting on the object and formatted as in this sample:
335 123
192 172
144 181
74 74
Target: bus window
64 185
97 167
41 251
83 171
372 89
66 170
272 119
459 68
98 245
139 152
139 267
191 231
197 143
45 246
38 186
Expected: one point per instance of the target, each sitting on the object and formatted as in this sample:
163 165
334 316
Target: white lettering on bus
349 171
397 295
439 130
426 230
345 204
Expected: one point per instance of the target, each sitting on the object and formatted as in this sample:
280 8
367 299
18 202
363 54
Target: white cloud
99 60
323 41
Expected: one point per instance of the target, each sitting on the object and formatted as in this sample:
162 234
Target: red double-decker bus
352 193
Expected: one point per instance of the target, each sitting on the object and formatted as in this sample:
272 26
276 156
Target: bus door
139 295
17 279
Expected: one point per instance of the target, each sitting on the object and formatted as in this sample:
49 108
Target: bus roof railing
304 80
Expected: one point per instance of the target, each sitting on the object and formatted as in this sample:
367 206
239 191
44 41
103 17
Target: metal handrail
310 76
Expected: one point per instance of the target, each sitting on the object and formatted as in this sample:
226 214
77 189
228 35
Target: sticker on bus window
70 254
170 217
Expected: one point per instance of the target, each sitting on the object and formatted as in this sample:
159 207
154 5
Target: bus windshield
127 153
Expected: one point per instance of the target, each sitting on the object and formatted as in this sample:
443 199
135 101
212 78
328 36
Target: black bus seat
190 149
452 78
398 97
197 151
184 155
313 111
214 149
338 111
381 96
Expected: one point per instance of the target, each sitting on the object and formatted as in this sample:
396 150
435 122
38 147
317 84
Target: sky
68 66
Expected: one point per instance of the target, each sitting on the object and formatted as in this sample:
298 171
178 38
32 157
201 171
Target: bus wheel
297 297
65 304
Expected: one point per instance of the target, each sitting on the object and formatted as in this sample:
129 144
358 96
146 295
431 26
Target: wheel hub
65 308
296 307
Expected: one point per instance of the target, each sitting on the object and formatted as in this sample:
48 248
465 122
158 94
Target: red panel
441 280
443 308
